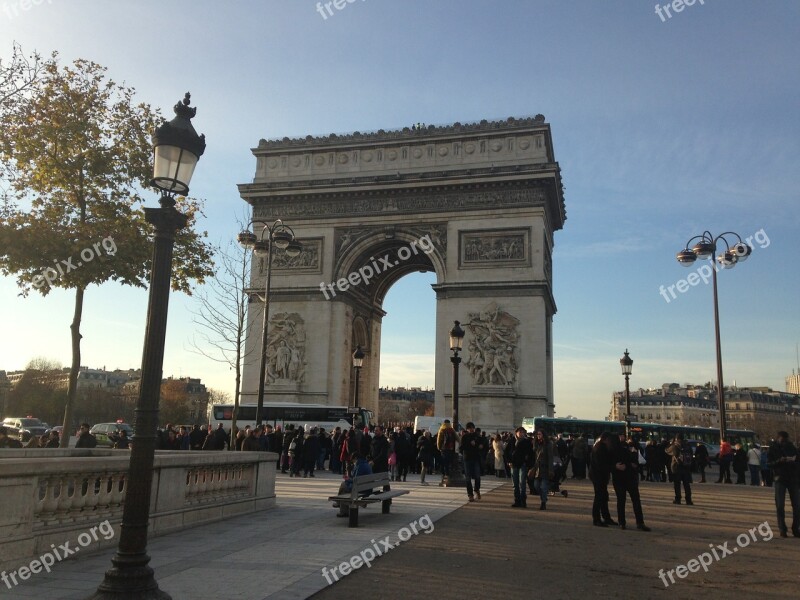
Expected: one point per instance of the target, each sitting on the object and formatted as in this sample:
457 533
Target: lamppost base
456 477
129 582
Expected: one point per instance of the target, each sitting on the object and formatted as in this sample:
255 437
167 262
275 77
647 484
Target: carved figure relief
308 260
286 348
494 247
493 344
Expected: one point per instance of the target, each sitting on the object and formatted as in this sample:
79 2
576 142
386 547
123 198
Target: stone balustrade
51 496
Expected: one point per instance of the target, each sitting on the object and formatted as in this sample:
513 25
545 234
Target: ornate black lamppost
706 248
358 362
626 362
177 148
456 478
280 236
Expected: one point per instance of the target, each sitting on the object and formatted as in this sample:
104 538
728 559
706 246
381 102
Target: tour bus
281 414
641 431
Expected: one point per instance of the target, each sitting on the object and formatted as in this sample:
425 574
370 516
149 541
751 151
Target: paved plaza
485 548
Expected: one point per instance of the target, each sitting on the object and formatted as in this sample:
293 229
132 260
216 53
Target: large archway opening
408 348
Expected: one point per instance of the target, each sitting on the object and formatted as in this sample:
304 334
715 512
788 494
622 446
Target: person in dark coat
251 442
601 463
783 459
701 460
197 437
311 448
425 448
625 478
7 442
681 468
379 452
740 464
519 457
86 439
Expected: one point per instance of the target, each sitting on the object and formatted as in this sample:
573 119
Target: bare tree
221 313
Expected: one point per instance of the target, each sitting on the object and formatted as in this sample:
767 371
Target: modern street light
706 248
358 362
456 479
177 148
281 236
626 362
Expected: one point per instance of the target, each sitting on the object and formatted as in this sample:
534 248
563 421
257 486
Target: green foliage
75 152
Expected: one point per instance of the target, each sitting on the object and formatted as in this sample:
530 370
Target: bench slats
365 484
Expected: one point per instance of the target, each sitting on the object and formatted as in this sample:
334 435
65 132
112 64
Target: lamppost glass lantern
176 150
358 358
456 338
626 362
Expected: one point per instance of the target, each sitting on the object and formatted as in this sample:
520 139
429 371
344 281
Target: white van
432 424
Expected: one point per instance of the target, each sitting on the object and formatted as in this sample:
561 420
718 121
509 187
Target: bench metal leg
385 506
353 522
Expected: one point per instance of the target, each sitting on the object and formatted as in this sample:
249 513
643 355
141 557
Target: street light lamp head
281 238
456 337
176 150
261 248
741 251
686 257
294 248
626 362
247 239
727 259
358 358
704 249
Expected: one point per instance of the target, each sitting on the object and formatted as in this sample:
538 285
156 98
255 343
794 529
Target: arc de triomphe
477 204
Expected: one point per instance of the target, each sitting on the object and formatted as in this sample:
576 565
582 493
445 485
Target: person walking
600 472
518 456
766 471
498 448
580 453
783 461
625 478
446 444
740 464
725 460
754 464
425 455
379 452
701 460
542 466
681 468
472 446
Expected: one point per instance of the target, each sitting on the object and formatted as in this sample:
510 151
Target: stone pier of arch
477 204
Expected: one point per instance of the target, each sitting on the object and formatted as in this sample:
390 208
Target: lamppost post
279 235
358 362
177 148
455 479
706 248
626 362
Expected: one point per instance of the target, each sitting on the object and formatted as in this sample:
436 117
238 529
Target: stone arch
490 210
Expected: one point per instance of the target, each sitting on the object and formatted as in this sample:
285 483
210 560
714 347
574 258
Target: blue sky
663 129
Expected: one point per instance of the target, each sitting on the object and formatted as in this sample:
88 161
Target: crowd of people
536 463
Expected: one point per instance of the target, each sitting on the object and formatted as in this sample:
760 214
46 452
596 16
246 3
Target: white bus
281 414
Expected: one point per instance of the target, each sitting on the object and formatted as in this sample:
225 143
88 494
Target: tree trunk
72 392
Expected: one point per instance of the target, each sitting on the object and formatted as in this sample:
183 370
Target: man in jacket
7 442
379 452
725 460
85 439
542 466
625 478
783 461
600 473
472 445
519 457
681 468
580 451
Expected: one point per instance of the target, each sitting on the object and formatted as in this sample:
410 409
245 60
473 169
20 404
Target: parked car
108 433
23 428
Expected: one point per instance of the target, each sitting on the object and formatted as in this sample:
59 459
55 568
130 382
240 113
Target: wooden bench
361 496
